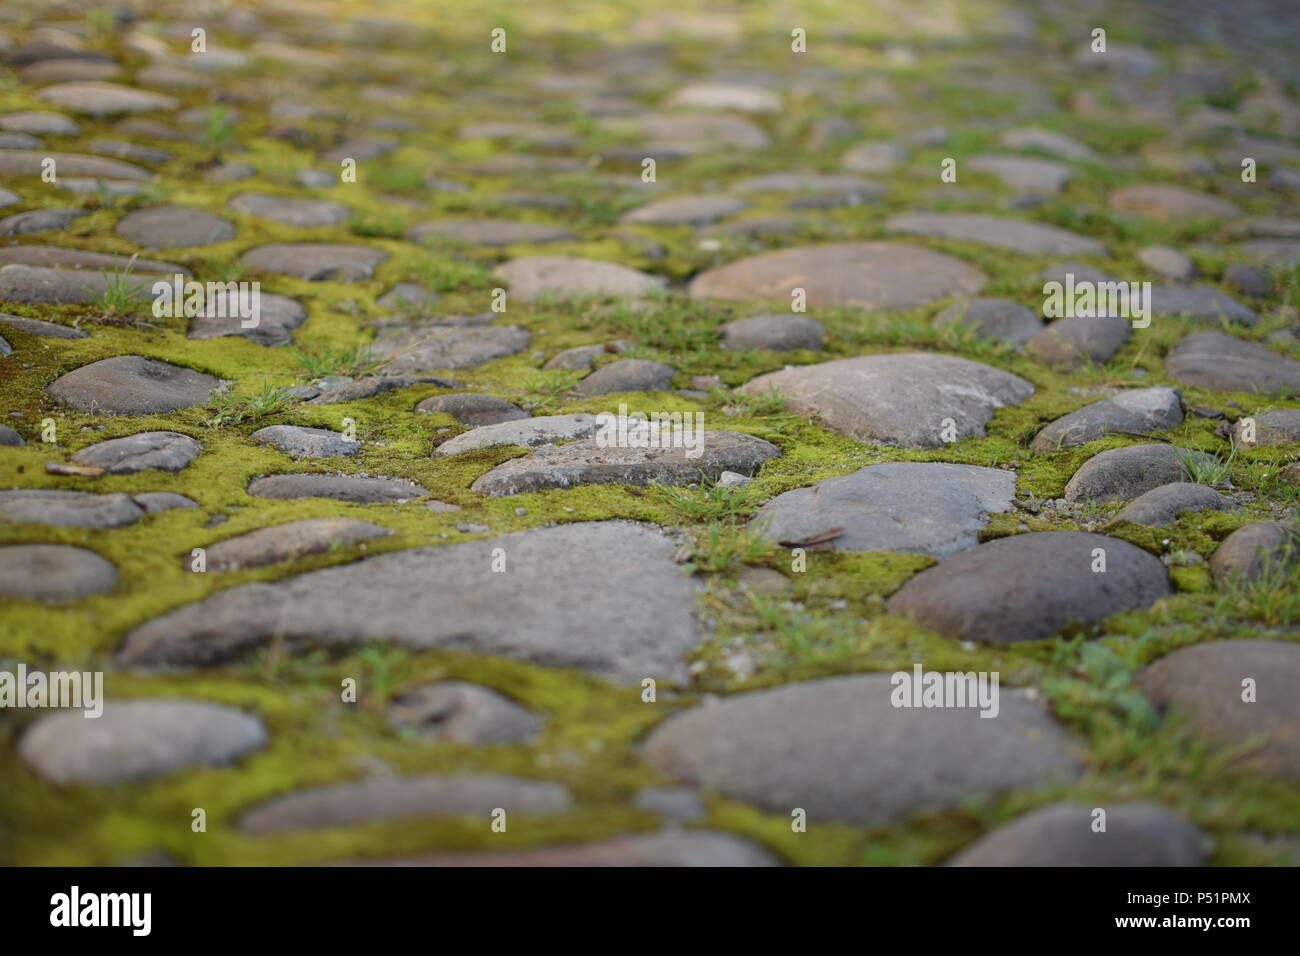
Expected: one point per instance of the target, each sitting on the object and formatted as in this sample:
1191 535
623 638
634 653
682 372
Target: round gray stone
1204 685
565 277
290 210
299 442
967 597
285 542
488 232
1219 362
316 261
386 798
473 409
1121 474
69 509
1140 411
1171 203
1032 238
1255 549
527 432
53 572
999 319
138 739
931 508
627 375
866 275
162 226
131 385
900 399
839 749
778 333
685 211
1062 834
339 487
1271 428
1163 505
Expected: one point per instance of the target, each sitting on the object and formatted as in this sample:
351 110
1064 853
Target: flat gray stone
39 220
53 572
819 183
407 297
627 375
1219 362
223 314
967 597
677 804
41 328
166 451
903 399
105 99
1163 505
1032 238
40 123
372 385
1071 342
714 95
316 261
1167 262
1023 173
1255 549
685 211
290 210
10 438
1140 411
155 501
285 542
299 442
488 232
877 157
931 508
30 162
671 135
1247 280
1048 141
130 385
546 609
55 257
162 226
389 798
586 461
1201 302
68 509
473 409
1174 203
339 487
777 333
864 275
30 284
839 749
137 740
428 345
671 847
566 277
528 432
1062 834
1203 684
460 712
1271 428
1002 320
1121 474
130 151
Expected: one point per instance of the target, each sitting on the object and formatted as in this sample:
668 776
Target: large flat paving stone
931 508
604 597
839 749
161 226
69 509
138 739
131 385
906 399
865 275
967 597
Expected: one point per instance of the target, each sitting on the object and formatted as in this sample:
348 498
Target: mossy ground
831 620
